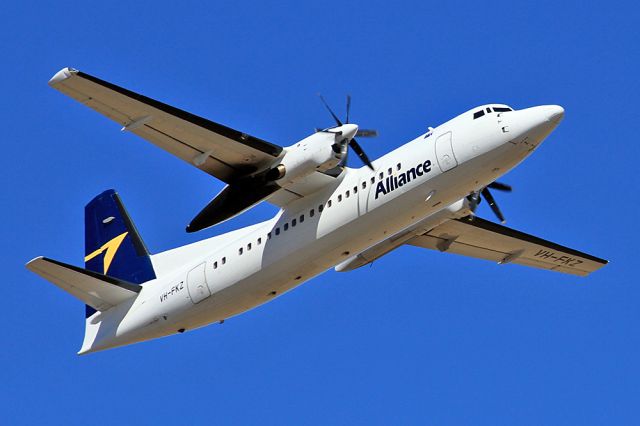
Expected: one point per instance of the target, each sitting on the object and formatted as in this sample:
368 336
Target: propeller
476 198
365 133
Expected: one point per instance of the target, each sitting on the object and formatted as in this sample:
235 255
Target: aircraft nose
539 120
544 115
532 124
555 113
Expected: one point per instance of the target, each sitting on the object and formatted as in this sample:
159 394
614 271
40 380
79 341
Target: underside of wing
482 239
218 150
311 184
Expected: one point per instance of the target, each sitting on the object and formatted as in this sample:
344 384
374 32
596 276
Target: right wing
483 239
224 153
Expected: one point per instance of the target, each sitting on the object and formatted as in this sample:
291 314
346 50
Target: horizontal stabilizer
96 290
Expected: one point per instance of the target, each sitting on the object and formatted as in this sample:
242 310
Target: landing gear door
444 152
197 284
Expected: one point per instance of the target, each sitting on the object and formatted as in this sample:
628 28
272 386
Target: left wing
487 240
218 150
232 156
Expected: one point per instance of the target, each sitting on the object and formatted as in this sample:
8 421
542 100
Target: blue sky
419 338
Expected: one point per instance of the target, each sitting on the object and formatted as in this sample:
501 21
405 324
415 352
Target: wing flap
482 239
96 290
218 150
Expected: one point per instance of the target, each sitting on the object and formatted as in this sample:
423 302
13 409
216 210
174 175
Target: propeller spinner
476 198
353 144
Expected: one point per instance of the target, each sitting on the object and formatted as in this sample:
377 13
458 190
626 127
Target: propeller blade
367 133
335 117
348 107
492 203
500 186
360 153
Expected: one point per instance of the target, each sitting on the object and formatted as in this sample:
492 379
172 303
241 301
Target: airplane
424 194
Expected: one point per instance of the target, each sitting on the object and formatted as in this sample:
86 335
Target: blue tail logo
109 249
112 244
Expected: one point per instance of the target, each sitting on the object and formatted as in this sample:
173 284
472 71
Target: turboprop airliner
424 194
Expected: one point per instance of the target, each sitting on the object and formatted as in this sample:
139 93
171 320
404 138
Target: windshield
481 112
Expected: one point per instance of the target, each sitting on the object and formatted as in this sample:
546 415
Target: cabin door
444 153
197 284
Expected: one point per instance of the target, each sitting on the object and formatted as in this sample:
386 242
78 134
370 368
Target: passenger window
259 241
399 166
224 260
268 235
320 208
248 246
373 180
381 175
478 114
339 197
355 189
215 265
240 251
364 185
278 231
286 226
293 222
390 171
312 212
348 193
328 203
301 218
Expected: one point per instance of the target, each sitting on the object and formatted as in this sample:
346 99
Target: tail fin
113 246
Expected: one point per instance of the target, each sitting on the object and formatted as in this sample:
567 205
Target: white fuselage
223 276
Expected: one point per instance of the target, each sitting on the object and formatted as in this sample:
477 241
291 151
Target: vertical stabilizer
113 246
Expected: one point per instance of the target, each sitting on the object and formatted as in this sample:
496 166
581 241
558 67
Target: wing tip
62 75
29 264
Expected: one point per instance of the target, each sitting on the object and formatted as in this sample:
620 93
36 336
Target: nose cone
544 115
555 113
534 123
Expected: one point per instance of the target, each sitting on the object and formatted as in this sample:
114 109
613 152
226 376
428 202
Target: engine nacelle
318 152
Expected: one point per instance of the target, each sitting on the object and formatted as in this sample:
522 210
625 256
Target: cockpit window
481 112
478 114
